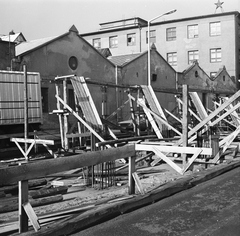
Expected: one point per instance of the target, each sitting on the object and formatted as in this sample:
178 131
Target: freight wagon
12 103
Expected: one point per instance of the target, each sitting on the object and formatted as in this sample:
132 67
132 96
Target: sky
44 18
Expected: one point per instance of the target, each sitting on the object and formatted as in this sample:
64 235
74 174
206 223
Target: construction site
105 165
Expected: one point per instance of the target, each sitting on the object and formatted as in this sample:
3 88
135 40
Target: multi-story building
213 40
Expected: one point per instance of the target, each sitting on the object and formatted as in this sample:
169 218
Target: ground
80 196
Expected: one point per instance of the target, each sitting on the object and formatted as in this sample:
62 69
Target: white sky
43 18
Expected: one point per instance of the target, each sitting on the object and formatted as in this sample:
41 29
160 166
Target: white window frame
215 28
193 56
172 58
215 55
97 42
192 31
171 34
113 42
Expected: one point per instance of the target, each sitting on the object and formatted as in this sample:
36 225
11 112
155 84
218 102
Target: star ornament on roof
219 5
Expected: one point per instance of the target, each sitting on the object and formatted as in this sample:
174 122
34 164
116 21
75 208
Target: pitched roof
105 52
11 37
29 45
123 59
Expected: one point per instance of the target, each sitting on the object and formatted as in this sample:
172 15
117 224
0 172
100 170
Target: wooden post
132 112
131 186
185 122
25 106
23 185
65 116
104 107
138 113
214 143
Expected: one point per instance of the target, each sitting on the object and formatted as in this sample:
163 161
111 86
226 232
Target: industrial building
213 40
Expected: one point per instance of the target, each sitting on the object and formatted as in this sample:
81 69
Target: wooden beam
37 141
212 115
185 122
151 120
167 160
81 120
138 183
131 170
174 149
157 116
46 167
31 215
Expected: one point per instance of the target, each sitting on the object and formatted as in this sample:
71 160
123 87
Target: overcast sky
43 18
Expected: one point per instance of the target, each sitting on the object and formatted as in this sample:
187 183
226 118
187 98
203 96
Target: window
113 42
172 58
152 36
44 92
97 43
215 28
71 100
131 39
73 63
192 56
215 55
192 31
171 34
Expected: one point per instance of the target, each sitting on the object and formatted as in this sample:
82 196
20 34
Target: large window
215 55
215 28
192 31
172 58
97 43
192 56
171 34
113 42
131 39
152 36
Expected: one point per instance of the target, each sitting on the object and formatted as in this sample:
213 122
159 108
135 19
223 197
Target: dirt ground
80 196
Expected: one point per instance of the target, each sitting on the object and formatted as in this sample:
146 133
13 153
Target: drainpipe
116 81
140 39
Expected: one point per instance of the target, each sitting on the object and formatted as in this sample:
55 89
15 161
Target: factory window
113 42
71 99
97 43
171 34
215 28
44 92
172 58
215 55
192 56
192 31
131 39
73 63
152 36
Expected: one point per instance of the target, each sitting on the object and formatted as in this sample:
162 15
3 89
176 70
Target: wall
226 41
52 60
135 73
4 54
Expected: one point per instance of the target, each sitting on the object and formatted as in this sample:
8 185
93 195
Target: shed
68 54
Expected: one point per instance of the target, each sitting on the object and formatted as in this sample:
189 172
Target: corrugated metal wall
12 98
